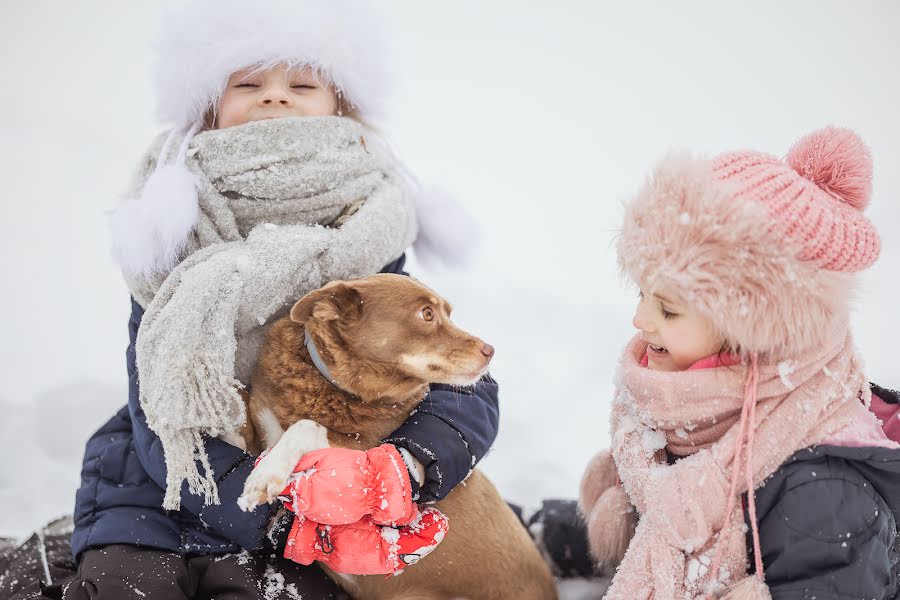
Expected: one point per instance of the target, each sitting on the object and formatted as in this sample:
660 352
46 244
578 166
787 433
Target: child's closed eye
246 84
667 314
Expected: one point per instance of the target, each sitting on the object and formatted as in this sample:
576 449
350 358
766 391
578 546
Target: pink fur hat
764 248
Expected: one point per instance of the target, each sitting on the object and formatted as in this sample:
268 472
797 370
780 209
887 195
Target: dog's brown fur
363 330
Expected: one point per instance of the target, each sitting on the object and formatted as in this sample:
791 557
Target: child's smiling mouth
657 349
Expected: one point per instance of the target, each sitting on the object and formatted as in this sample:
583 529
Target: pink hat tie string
745 440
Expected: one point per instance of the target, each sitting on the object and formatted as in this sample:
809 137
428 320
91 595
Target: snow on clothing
677 538
337 486
825 492
365 547
355 512
764 250
827 523
121 572
124 471
39 567
725 235
42 568
286 205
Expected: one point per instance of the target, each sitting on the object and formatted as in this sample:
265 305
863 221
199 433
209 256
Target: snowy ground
542 117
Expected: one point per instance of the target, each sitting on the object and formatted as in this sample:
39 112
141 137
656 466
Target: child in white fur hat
269 185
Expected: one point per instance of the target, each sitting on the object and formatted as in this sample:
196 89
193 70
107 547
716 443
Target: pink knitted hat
762 247
815 197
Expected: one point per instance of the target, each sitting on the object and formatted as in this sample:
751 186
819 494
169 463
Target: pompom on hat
764 248
815 197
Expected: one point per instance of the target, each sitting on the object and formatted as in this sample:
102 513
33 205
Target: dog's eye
427 313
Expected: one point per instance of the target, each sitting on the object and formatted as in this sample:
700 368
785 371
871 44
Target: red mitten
364 548
338 486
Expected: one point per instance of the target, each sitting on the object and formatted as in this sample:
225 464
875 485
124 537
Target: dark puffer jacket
828 523
123 474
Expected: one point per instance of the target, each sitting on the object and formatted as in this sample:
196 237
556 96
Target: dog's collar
317 360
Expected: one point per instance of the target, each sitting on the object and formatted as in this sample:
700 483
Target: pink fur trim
686 232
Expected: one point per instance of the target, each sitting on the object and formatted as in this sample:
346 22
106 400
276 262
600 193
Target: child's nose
640 320
275 95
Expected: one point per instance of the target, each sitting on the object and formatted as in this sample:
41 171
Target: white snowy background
542 117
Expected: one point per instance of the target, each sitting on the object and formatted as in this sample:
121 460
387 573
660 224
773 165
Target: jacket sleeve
450 433
231 465
829 535
451 430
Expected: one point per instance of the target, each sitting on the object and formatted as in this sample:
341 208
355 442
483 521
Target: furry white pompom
149 232
448 233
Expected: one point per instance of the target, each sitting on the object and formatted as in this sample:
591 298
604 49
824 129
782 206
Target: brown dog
383 340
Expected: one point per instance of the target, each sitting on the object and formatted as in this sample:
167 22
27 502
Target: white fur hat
203 42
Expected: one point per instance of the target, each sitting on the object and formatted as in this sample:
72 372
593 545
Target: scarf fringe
203 324
211 396
182 449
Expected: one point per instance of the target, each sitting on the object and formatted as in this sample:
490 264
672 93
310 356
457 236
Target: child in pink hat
745 461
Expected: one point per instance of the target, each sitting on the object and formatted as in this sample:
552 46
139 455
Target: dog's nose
487 350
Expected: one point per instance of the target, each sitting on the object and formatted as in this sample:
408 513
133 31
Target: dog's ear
338 299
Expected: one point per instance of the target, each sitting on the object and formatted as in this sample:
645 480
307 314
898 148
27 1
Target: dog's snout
487 350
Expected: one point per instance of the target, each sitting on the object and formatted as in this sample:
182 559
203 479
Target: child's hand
337 486
364 548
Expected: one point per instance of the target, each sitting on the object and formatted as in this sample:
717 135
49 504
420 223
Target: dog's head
384 329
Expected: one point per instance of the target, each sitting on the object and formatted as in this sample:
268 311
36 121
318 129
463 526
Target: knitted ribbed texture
814 199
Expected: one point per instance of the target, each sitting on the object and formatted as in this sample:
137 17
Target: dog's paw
272 473
262 487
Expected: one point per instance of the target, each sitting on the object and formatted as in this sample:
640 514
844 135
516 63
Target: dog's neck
295 388
318 363
364 379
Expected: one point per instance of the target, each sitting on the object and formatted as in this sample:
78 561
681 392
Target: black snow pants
42 568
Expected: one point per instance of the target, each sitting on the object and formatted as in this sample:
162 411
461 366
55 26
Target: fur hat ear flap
149 232
448 233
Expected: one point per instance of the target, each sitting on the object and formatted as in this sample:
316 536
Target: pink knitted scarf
689 542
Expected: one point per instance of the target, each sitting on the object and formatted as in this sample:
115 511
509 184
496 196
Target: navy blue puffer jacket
123 475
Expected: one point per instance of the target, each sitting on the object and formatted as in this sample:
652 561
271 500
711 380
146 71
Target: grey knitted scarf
287 205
